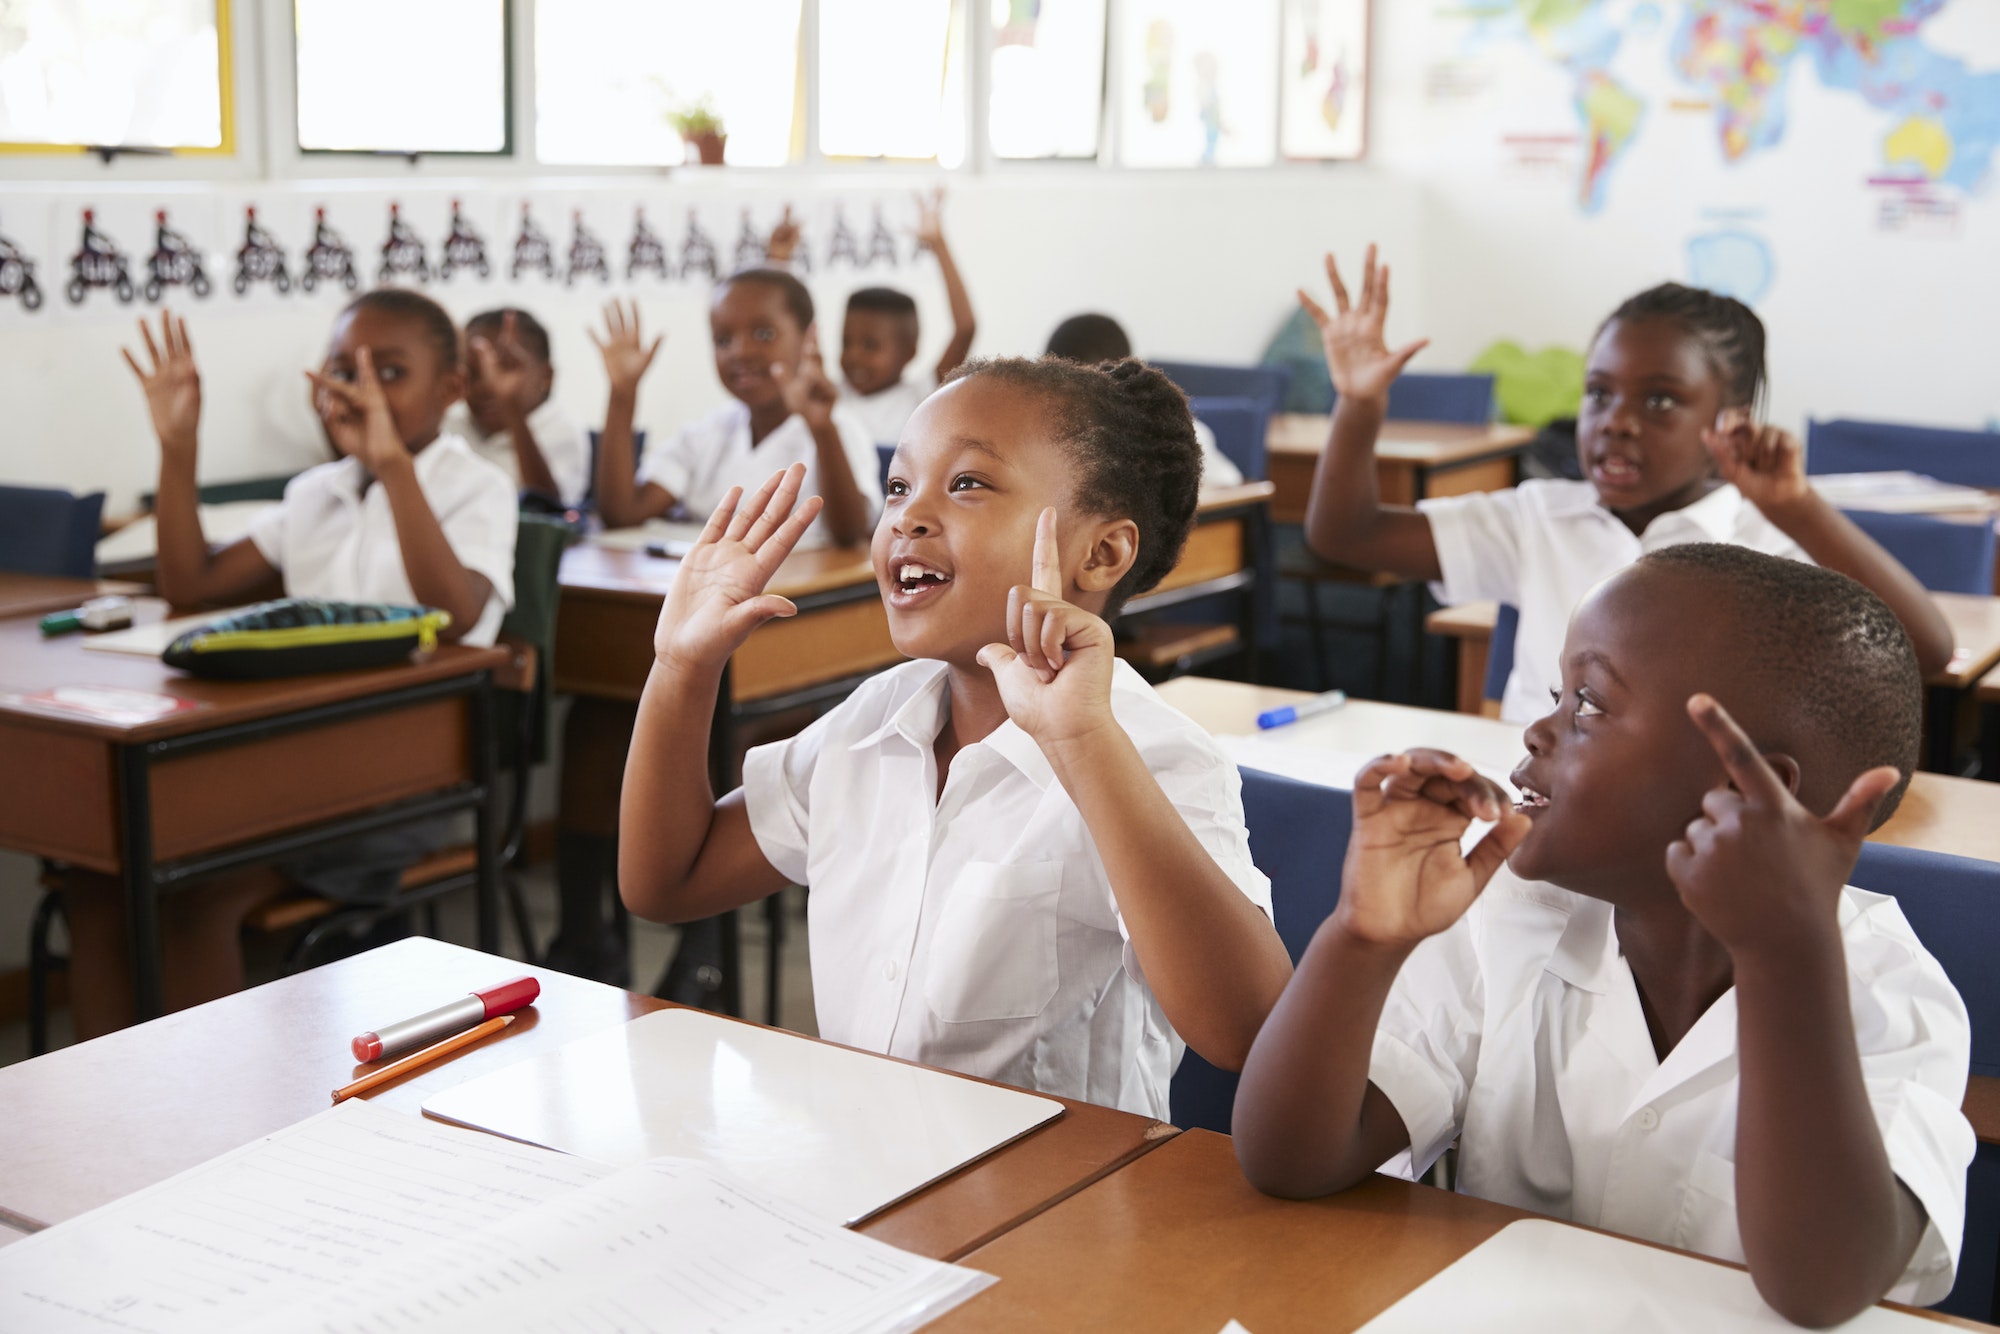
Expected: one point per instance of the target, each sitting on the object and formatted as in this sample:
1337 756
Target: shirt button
1647 1118
889 973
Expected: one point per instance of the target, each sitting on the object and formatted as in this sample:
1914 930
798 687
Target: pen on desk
1292 713
397 1069
501 998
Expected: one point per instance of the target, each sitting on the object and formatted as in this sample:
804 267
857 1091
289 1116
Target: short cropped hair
884 301
797 299
1834 666
403 303
1090 339
527 329
1131 436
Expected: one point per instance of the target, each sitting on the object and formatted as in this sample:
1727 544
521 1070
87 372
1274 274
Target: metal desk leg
142 903
485 825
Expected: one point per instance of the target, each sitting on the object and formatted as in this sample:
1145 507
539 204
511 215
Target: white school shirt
980 933
1518 1032
887 411
563 440
1545 543
331 539
1216 469
701 461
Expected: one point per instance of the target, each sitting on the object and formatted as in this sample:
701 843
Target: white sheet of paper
841 1132
150 640
314 1209
1535 1275
220 524
675 538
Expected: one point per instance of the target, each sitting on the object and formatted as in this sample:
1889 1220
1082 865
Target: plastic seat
884 453
1500 651
45 531
1945 555
1197 379
1968 458
1430 396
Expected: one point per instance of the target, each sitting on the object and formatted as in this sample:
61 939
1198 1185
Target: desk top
34 594
30 664
1975 628
96 1121
1425 444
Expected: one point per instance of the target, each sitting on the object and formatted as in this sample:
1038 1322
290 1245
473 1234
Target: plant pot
706 147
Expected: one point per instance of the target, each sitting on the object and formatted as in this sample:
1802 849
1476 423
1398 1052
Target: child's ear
1114 547
453 385
1786 768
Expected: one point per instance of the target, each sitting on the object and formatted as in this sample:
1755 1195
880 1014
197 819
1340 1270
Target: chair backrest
1969 458
224 493
539 540
596 440
1298 837
883 454
1500 652
1240 425
44 531
1202 380
1945 555
1953 904
1442 397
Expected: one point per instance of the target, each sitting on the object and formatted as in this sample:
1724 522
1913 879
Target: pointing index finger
1740 758
1046 573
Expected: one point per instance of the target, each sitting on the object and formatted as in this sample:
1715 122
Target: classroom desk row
1414 460
1096 1220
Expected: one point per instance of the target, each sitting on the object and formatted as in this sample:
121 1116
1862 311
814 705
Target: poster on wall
1323 80
1195 79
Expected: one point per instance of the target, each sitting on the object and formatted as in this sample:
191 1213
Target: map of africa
1738 55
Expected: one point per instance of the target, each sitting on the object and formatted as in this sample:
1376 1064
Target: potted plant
701 130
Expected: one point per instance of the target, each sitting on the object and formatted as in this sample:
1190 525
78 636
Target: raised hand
807 391
1765 463
357 416
930 219
718 596
503 364
1359 360
172 385
1406 877
1756 868
627 355
784 242
1054 671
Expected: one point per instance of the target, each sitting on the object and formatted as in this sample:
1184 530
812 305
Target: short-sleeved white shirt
701 461
887 411
1543 544
563 440
1216 468
1519 1032
331 538
980 932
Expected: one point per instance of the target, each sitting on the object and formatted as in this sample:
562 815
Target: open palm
1359 360
170 380
718 596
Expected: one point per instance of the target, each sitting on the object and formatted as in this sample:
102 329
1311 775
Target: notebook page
312 1209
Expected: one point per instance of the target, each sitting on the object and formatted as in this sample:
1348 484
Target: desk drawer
812 648
1213 551
55 796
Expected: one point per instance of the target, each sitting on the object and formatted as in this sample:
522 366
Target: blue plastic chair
1442 397
45 531
1240 425
1953 905
1500 652
1968 458
884 453
596 440
1298 837
1946 556
1266 384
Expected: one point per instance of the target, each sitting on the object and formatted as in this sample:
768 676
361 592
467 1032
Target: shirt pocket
1708 1208
993 954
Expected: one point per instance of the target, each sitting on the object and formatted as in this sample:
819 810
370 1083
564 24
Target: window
1325 72
889 79
137 73
1197 83
1046 78
391 76
608 74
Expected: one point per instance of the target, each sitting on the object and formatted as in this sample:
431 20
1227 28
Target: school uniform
1518 1032
702 460
979 932
887 411
1545 543
563 440
335 537
1216 469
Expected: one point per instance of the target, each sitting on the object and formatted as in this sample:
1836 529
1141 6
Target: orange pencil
424 1057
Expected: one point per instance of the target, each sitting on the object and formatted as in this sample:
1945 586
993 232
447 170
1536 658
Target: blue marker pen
1293 713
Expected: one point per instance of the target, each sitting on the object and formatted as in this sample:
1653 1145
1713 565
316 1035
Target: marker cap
509 996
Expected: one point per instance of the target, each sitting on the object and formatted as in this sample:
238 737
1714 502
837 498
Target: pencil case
298 636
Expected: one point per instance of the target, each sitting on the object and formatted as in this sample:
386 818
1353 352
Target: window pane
139 72
1047 77
609 72
1198 83
885 79
396 76
1325 68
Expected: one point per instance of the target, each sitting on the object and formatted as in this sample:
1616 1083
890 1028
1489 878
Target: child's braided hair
1729 333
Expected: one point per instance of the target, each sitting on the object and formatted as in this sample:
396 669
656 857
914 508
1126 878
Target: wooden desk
253 771
90 1123
39 594
1178 1241
1413 460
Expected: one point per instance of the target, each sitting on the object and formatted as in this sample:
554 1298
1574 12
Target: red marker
503 998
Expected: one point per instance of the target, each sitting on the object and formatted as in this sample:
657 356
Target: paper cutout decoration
647 251
464 248
586 252
259 259
532 249
329 257
17 275
403 252
99 263
698 250
881 242
750 249
174 262
843 246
